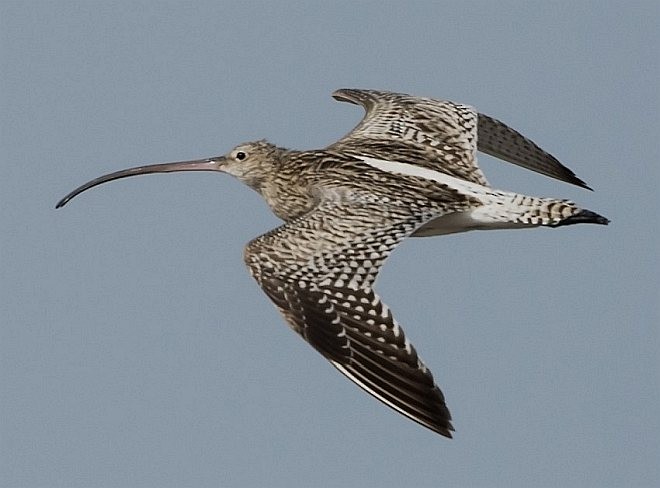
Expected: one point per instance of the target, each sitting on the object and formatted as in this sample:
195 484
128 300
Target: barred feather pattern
437 134
326 296
409 168
442 135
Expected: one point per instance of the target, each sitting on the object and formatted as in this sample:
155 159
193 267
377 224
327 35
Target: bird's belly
455 222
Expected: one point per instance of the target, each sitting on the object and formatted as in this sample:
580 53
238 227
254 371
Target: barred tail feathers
520 210
510 211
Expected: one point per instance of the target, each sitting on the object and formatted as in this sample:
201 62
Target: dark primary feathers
501 141
323 290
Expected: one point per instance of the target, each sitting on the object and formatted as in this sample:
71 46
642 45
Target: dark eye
240 155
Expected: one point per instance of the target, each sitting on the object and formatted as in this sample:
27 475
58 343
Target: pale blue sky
137 352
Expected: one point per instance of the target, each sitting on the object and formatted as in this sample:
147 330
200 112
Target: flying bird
409 168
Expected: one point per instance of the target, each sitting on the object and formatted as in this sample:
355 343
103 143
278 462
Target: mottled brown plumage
409 168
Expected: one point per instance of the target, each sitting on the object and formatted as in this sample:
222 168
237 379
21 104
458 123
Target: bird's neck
287 191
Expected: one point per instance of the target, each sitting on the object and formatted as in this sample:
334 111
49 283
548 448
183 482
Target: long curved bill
210 164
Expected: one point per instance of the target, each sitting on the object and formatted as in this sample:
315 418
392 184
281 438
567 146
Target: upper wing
501 141
445 133
437 134
318 270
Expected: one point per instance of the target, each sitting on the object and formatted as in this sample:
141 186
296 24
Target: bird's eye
240 155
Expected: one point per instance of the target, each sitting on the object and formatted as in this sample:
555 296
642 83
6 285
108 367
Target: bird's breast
288 201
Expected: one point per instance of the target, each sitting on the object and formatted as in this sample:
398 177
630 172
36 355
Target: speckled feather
441 134
323 290
409 168
320 266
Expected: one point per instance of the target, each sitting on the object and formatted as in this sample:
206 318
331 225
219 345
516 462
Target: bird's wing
440 135
501 141
318 270
446 133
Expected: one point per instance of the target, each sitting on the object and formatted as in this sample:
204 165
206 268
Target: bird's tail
520 210
503 210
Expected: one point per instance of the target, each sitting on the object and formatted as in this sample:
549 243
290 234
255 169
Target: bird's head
252 163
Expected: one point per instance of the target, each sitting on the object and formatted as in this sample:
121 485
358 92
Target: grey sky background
135 349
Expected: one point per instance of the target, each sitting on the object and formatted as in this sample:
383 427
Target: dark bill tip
211 164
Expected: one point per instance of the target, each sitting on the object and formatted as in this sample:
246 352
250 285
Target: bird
408 169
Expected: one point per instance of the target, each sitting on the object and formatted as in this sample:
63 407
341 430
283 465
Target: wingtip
442 424
358 96
578 182
446 431
343 95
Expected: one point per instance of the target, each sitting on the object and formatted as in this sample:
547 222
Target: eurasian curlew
409 168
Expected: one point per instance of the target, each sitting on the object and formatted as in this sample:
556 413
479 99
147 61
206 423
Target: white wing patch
406 169
498 209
